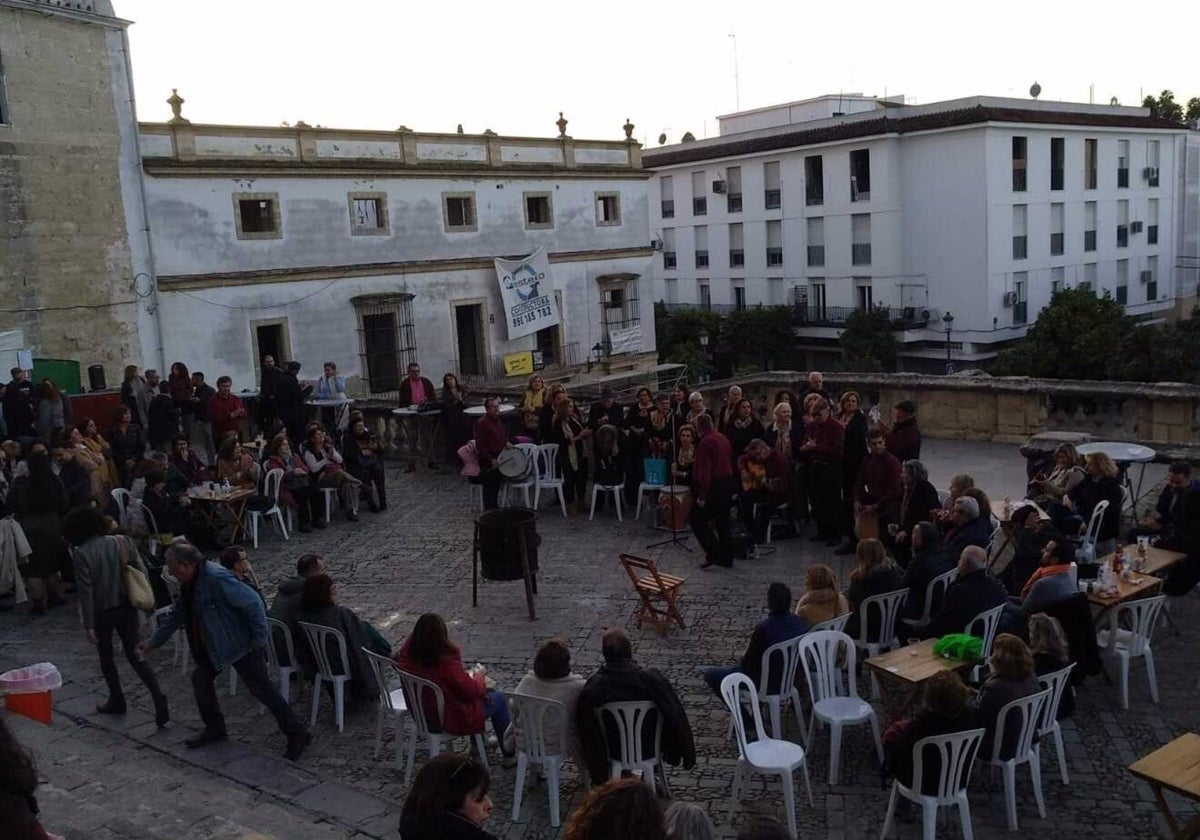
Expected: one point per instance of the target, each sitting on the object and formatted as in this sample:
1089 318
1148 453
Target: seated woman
317 606
325 464
74 471
610 457
296 490
127 443
875 575
93 463
170 512
237 466
552 679
448 801
186 464
1075 512
1048 644
928 561
945 711
105 477
1012 677
1067 473
428 653
821 600
360 449
918 497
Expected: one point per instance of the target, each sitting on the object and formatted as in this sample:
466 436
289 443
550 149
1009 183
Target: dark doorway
468 320
271 343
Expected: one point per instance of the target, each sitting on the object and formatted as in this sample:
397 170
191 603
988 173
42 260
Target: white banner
625 341
527 292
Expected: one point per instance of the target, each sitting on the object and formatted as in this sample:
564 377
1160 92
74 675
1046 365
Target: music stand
675 539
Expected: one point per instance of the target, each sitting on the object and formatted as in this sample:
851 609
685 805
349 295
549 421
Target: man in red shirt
225 411
877 489
416 391
712 474
491 439
766 477
823 452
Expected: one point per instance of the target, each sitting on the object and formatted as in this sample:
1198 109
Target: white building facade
980 208
375 249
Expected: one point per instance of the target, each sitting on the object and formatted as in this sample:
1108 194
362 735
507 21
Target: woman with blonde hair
1067 473
1048 643
875 574
1101 485
821 600
695 408
1012 677
531 406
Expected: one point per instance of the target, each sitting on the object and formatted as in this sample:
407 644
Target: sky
668 66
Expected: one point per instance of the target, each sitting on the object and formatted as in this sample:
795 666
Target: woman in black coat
919 498
875 575
569 433
1101 484
945 711
928 560
38 501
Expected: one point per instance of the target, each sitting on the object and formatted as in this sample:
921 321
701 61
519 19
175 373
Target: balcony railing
1056 244
1020 246
733 203
555 358
1089 240
909 317
669 259
699 206
668 208
702 259
772 199
737 258
860 253
1122 236
816 255
774 257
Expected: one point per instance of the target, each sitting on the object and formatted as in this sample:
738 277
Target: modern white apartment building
978 208
376 249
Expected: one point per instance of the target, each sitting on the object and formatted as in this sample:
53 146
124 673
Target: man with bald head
973 592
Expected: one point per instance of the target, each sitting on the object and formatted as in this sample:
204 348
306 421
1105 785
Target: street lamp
704 354
948 320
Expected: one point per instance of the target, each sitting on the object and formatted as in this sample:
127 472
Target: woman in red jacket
428 653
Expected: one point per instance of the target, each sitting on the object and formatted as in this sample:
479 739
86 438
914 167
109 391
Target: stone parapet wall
1011 409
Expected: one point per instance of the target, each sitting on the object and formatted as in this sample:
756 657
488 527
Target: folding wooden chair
651 587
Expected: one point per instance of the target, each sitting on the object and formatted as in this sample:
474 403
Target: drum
675 503
515 465
868 525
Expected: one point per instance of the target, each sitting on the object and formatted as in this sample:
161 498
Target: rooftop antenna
737 88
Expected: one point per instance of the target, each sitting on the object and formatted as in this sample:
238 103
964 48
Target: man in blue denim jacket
226 625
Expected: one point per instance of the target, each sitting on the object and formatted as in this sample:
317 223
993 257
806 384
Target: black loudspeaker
96 381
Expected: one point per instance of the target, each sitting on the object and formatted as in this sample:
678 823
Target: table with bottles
210 496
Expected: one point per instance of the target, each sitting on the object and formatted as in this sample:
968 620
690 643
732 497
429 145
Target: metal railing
909 317
557 358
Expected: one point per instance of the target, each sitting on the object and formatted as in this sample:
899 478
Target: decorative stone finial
176 102
460 131
628 129
404 128
561 122
487 132
687 137
302 124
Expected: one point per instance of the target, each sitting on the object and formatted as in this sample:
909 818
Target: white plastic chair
271 485
151 531
330 495
317 635
391 704
284 672
643 489
1133 643
838 624
630 721
122 498
1057 683
615 489
547 476
1030 711
888 605
1086 553
769 756
779 663
539 717
990 621
415 689
936 590
475 488
956 758
179 654
833 691
530 450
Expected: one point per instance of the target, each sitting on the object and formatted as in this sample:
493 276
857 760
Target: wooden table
1175 767
1157 559
902 674
1139 586
234 501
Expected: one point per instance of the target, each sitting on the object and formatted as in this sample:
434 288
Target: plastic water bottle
225 486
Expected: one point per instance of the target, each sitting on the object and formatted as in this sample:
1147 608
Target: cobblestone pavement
109 778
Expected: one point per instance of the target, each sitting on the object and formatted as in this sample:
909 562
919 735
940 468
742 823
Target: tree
763 334
1166 108
678 338
1193 110
867 341
1078 336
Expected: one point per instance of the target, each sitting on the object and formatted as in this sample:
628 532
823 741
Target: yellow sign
518 364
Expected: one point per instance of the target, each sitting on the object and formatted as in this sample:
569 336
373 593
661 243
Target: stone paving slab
416 558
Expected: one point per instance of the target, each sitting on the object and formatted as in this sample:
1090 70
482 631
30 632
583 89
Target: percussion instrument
868 524
674 504
515 465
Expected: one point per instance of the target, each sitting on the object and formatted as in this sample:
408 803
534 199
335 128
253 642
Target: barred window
387 341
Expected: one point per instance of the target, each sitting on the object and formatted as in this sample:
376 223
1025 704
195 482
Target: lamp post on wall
948 320
704 353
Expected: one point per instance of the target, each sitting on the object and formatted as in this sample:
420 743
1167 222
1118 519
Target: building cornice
242 168
66 11
189 282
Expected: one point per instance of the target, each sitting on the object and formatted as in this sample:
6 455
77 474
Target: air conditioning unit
1146 276
656 244
1135 227
1010 298
719 187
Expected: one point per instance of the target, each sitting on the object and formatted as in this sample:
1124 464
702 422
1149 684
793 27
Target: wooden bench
653 586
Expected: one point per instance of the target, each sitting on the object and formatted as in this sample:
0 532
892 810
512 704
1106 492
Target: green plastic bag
959 646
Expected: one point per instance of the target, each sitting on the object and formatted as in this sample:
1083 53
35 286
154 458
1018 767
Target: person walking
99 560
226 625
714 482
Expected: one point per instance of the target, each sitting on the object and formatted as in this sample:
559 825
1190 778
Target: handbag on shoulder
137 585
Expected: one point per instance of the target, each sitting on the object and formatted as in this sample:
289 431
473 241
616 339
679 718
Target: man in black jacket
163 415
973 592
268 383
18 405
605 412
289 402
620 679
200 431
